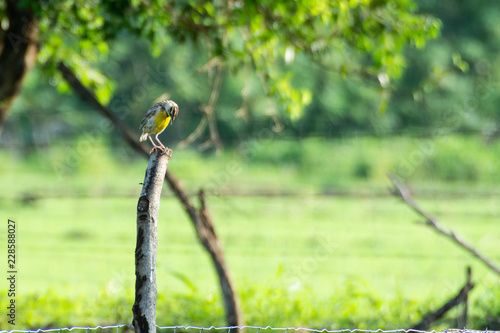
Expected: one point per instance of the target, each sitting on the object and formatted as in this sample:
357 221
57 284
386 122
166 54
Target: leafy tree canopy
351 37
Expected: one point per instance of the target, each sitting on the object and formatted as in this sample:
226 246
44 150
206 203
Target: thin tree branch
402 191
209 113
209 109
195 134
87 96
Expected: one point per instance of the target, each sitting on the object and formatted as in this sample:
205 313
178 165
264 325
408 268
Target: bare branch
209 113
195 135
462 296
209 109
402 191
87 96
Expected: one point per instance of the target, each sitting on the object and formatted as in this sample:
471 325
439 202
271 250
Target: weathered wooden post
144 308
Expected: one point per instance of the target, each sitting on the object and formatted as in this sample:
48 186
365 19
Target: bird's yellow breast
161 122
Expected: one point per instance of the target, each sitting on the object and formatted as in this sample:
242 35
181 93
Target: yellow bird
156 120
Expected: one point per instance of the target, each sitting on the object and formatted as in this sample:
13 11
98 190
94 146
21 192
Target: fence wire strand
176 328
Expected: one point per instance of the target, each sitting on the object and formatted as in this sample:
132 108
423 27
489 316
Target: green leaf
459 62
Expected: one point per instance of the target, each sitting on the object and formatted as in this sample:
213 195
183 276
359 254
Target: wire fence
228 329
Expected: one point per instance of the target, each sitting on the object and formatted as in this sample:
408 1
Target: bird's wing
151 112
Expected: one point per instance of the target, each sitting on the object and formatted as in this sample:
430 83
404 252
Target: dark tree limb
208 237
87 96
462 318
18 52
402 191
144 308
200 218
462 296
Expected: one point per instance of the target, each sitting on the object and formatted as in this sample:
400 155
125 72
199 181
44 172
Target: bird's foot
168 151
156 147
164 149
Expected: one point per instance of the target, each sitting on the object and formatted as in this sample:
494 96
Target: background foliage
449 86
265 48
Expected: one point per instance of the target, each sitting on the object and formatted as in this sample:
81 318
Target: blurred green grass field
302 255
84 245
76 235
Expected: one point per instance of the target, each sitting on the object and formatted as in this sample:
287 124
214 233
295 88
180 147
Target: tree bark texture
144 309
18 52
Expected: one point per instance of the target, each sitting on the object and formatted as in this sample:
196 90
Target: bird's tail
143 137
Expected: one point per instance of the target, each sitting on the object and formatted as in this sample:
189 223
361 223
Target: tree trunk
144 308
18 52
